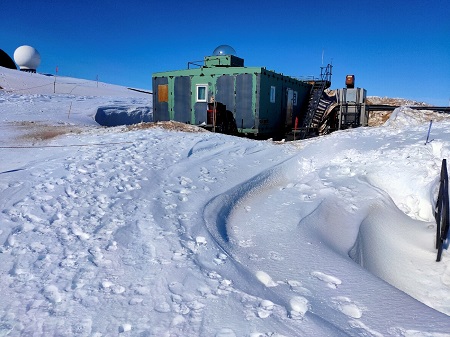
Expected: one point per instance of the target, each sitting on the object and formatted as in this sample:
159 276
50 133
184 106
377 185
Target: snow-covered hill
155 232
18 82
377 118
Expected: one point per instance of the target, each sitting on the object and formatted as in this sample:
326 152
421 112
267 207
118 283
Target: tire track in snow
215 264
220 221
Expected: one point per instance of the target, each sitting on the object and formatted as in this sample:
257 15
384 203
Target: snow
153 232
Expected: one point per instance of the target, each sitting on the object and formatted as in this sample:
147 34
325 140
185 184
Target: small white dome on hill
27 58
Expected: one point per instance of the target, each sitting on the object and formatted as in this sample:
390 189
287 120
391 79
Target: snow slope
154 232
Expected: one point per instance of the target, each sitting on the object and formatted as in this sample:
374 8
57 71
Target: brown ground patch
35 131
170 125
377 118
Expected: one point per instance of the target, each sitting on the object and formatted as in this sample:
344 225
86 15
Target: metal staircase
316 106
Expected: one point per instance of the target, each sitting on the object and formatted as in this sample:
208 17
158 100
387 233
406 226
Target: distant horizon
149 91
394 49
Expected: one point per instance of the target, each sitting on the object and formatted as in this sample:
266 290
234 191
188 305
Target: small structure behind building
352 105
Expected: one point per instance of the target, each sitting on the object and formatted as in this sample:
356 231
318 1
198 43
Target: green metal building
262 103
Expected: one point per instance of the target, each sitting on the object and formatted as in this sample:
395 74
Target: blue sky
394 48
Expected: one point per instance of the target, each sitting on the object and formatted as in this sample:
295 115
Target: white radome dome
27 57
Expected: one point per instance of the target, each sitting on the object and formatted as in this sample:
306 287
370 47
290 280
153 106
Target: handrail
441 213
197 64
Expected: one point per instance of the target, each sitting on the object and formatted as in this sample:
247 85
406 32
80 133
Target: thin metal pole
429 129
214 116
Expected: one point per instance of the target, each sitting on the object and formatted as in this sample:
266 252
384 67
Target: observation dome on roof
27 58
224 49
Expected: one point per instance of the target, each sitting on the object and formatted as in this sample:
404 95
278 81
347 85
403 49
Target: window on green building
272 94
202 93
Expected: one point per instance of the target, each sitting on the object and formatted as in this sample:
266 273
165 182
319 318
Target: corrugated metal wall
182 99
225 91
244 94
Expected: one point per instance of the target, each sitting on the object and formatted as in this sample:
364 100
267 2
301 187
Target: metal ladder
316 108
